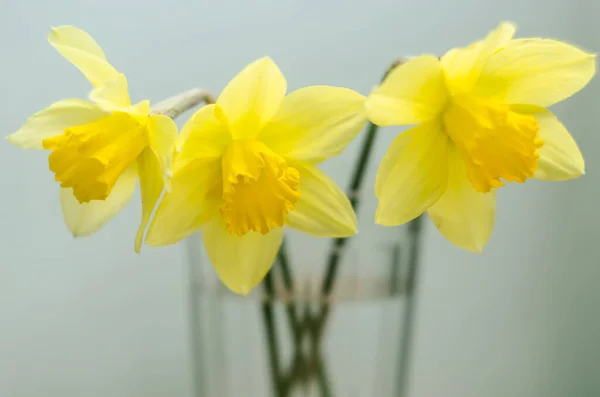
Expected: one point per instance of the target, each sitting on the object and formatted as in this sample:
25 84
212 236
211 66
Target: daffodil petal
240 261
315 123
79 48
413 175
203 136
162 134
53 120
323 210
560 157
253 97
151 187
142 108
463 215
113 94
536 71
412 93
463 66
88 218
184 209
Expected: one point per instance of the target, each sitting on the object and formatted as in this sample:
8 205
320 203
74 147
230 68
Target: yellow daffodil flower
481 119
245 167
99 147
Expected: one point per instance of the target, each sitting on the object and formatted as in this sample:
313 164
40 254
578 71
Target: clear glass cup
351 340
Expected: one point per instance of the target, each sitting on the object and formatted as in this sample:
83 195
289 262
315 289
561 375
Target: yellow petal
413 92
184 209
560 158
162 134
87 218
253 97
463 66
82 51
413 174
536 71
322 210
113 94
142 108
53 121
315 123
202 136
151 187
240 261
463 215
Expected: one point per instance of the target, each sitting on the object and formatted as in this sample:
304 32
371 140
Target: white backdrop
91 318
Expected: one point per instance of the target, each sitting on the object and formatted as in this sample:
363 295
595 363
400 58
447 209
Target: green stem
267 309
355 186
322 378
286 273
290 307
299 370
288 282
354 195
414 231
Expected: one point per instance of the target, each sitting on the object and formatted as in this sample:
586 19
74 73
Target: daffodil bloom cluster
481 120
245 167
101 147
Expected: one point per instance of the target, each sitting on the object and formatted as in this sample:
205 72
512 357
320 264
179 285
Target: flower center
90 158
495 141
259 188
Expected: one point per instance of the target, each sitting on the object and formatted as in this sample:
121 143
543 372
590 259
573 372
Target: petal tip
581 168
80 231
54 33
380 220
241 290
508 25
346 233
15 140
506 28
151 239
266 59
244 290
477 250
137 246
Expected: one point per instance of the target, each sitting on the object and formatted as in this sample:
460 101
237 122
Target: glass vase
350 339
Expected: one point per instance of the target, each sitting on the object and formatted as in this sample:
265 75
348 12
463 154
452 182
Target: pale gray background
91 318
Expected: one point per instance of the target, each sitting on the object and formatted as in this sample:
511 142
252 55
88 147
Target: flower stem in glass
272 345
354 195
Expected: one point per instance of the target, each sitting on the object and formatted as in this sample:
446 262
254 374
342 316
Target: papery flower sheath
246 166
481 120
100 147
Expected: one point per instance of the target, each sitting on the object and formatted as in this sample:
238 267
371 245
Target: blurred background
89 317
